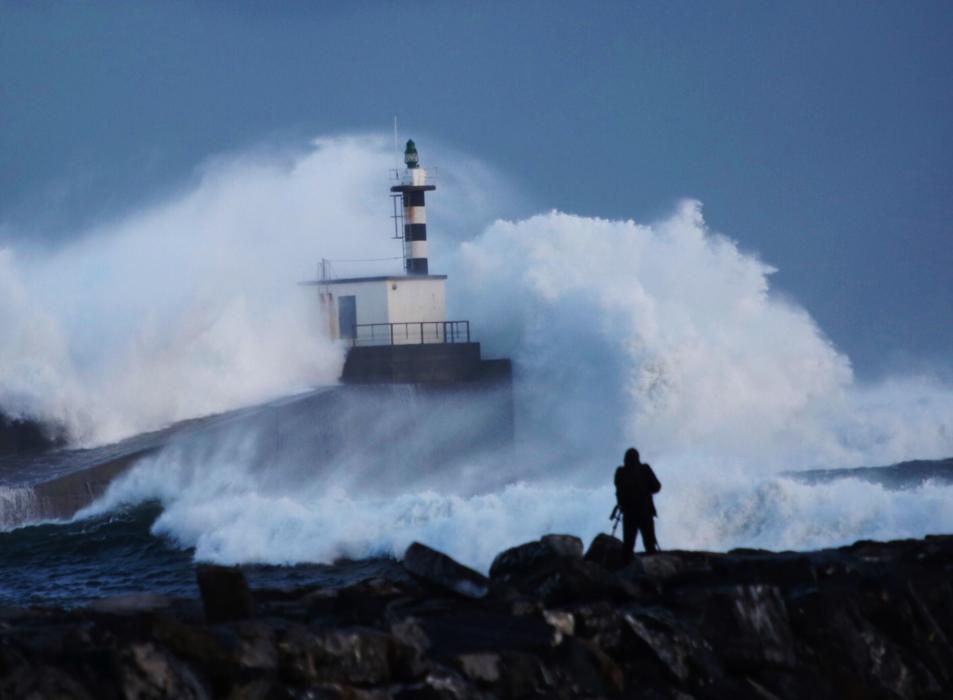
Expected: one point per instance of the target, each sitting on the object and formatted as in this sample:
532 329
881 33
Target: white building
396 309
389 310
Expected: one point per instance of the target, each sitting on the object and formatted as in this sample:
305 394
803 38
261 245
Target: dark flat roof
383 278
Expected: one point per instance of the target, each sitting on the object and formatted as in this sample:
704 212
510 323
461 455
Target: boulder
859 658
523 675
440 684
24 675
569 581
607 552
225 593
483 629
562 622
482 667
146 671
439 569
591 669
784 569
353 655
600 622
674 644
220 656
666 566
564 545
748 625
527 557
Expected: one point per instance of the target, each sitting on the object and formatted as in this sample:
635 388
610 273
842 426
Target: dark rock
527 557
562 622
297 646
565 581
147 671
41 681
873 620
225 593
482 667
261 689
900 613
441 570
198 645
355 655
410 632
678 647
846 648
564 545
607 551
523 675
471 631
669 566
440 684
785 569
836 567
591 669
600 622
748 625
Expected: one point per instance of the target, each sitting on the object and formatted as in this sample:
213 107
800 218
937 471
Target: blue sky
817 134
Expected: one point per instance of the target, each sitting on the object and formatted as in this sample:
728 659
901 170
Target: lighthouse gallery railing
413 332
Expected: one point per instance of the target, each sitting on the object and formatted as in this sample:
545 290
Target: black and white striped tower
412 187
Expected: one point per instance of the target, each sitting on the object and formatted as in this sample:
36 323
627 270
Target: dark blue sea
71 564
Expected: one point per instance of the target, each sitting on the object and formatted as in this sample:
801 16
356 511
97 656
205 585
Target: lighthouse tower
396 326
412 188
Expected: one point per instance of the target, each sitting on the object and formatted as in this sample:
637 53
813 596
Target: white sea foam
664 335
231 511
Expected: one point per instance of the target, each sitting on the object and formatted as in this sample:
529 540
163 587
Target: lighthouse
391 310
396 326
413 189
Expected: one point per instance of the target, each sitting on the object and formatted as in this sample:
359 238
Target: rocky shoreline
872 620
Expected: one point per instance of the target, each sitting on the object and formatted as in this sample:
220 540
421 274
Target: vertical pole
396 147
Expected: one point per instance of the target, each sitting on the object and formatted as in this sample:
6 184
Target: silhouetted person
635 483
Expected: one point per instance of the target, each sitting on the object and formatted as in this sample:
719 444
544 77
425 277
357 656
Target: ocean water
665 335
72 564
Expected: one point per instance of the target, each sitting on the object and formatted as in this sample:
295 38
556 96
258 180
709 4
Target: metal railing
412 332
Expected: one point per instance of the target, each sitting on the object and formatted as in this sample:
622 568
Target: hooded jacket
634 487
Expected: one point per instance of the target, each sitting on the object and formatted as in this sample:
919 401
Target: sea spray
667 335
662 334
230 512
17 505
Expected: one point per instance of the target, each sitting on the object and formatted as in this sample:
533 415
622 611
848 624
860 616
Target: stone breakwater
872 620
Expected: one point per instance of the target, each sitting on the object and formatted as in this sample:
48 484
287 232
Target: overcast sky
816 134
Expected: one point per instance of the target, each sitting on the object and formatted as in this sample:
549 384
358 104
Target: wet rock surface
872 620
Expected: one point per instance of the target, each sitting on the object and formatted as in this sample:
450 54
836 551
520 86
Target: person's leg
647 526
628 537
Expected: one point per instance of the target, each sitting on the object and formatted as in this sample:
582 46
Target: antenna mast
396 149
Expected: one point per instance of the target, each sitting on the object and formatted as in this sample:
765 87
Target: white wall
410 299
396 300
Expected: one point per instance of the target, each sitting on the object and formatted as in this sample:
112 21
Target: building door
347 316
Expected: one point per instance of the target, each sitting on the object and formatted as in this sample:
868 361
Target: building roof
382 278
